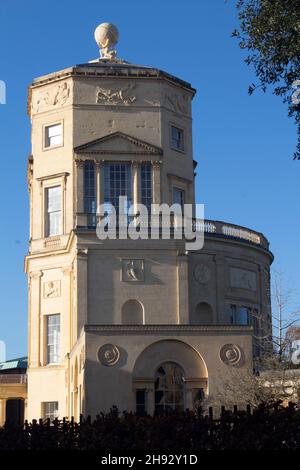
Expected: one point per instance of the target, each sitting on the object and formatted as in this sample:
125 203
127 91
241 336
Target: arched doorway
132 313
169 388
168 374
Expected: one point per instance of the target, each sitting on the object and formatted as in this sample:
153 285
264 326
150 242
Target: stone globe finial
106 36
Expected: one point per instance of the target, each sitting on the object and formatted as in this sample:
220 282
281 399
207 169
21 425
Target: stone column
2 411
82 291
35 330
79 201
99 184
156 196
150 399
136 196
220 313
183 289
66 317
64 204
189 398
41 219
30 190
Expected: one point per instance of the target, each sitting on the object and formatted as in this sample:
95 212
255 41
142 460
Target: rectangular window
240 315
146 185
198 396
178 197
90 192
53 211
117 182
141 407
53 135
53 339
50 410
177 141
246 316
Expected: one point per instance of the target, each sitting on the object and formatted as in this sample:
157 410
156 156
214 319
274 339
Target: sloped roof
19 363
119 143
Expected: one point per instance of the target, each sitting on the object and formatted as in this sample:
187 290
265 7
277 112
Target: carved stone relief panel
123 95
55 96
133 270
202 273
51 289
243 279
177 102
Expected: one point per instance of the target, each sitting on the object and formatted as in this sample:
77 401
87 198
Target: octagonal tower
108 319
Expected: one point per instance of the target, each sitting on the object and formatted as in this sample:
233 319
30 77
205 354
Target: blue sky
243 144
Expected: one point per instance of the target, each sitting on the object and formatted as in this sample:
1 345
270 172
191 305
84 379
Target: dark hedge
267 427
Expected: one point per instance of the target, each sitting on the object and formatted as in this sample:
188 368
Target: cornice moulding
149 329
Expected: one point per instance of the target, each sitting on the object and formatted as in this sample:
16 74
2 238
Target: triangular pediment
118 143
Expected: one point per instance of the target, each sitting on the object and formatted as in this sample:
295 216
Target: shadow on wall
110 383
133 313
203 314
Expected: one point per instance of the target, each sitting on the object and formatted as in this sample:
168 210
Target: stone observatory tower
144 324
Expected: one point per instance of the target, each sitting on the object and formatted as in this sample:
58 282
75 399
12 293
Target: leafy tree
270 31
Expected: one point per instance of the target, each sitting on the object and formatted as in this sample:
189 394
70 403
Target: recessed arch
133 313
169 350
203 314
181 364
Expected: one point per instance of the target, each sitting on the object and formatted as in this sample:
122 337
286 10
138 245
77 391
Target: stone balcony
223 229
12 379
211 228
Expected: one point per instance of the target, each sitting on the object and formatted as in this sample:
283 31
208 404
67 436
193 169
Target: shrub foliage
266 427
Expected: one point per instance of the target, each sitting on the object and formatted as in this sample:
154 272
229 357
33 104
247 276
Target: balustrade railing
209 227
13 378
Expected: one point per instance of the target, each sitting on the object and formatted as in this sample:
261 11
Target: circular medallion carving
231 354
202 273
108 354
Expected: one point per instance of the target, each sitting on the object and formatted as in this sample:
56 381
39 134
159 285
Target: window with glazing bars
141 402
117 182
146 185
53 135
50 410
90 192
239 315
53 339
53 211
178 197
177 141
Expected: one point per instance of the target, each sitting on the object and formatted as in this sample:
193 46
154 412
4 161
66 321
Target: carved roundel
108 354
231 354
202 273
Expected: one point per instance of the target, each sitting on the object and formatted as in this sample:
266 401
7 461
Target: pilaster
156 195
35 330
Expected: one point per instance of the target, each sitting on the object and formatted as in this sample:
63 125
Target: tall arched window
169 387
132 313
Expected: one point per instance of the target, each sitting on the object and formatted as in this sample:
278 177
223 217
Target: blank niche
132 313
203 314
